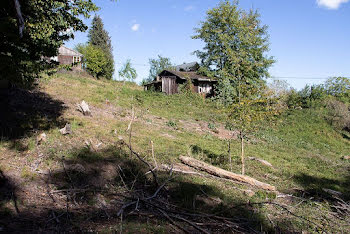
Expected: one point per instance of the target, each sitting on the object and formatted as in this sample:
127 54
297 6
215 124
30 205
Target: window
76 59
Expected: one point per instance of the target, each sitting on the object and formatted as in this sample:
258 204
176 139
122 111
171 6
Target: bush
187 87
338 114
172 124
309 96
95 60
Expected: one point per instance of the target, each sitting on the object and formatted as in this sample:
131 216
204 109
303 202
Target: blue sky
309 38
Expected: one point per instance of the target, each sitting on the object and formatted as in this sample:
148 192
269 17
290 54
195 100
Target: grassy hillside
89 172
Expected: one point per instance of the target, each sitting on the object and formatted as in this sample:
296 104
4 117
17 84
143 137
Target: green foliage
47 24
187 87
235 48
171 124
94 59
157 65
226 93
247 114
338 114
339 87
127 71
99 37
211 126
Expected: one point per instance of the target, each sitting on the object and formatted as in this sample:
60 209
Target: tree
99 37
33 30
235 49
157 65
339 87
94 59
248 113
127 71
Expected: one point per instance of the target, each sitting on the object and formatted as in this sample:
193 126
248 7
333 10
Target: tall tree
235 49
99 37
157 65
32 30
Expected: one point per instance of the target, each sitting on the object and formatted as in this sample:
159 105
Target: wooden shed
67 56
169 82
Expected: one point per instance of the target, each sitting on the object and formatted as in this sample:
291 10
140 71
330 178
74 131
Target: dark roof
186 67
185 75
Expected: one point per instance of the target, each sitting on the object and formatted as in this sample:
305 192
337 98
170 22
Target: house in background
67 56
169 81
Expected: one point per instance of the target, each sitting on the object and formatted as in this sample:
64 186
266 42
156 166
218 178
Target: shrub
172 124
187 87
338 114
94 60
308 97
211 126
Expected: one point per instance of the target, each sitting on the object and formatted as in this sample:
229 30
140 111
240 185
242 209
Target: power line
135 64
301 78
273 77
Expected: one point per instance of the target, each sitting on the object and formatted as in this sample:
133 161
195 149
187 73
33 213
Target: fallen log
224 174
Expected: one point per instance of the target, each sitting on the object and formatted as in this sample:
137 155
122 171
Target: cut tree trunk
224 174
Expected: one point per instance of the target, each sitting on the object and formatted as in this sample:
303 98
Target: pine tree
99 37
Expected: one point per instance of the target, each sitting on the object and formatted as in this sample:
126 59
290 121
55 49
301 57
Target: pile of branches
158 205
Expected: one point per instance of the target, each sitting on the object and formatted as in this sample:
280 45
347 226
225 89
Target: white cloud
331 4
189 8
135 27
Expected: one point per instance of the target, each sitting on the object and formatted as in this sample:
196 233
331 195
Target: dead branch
172 221
224 174
155 177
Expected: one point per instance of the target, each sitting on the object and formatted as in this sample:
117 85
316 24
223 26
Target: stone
41 138
66 130
84 108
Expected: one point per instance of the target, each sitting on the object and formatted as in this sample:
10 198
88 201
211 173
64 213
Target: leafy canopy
235 48
94 60
157 65
127 71
44 26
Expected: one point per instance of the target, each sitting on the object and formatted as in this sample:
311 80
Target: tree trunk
216 171
229 153
242 153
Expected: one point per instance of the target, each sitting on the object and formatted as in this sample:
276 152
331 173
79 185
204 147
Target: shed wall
169 85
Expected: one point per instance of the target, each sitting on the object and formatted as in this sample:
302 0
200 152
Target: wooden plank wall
169 85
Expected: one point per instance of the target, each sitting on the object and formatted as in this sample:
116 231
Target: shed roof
186 75
67 51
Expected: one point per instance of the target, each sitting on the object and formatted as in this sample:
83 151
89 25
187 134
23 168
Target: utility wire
301 78
273 77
